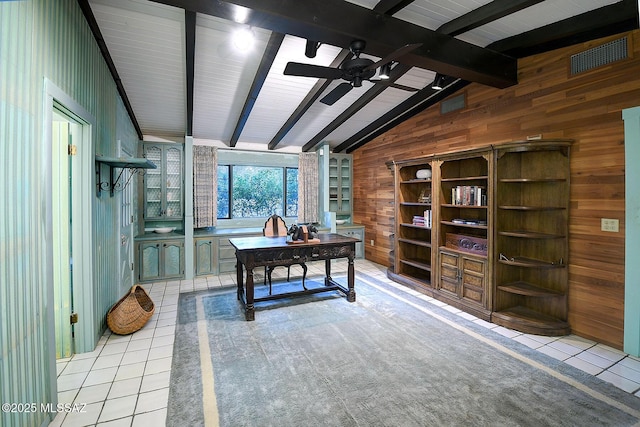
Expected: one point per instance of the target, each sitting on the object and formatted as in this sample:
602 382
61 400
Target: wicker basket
131 312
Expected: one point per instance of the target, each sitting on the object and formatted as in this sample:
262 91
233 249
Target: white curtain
308 193
205 186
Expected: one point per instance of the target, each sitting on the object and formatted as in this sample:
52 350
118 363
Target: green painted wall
47 39
631 118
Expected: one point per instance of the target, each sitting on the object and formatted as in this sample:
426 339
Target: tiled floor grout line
107 409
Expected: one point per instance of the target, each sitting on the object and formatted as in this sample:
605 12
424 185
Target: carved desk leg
249 309
239 278
327 270
351 277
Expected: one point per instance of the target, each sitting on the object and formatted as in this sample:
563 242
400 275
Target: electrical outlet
609 224
372 242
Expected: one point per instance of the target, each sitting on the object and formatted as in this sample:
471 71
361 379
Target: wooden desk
252 252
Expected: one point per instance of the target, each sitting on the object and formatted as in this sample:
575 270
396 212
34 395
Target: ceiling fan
354 70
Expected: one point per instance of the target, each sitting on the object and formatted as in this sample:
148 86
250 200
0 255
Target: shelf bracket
134 165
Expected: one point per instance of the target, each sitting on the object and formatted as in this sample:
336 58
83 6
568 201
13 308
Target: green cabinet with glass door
163 187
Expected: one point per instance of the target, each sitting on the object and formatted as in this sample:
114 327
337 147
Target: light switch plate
609 224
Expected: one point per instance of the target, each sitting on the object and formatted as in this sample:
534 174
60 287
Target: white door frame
83 178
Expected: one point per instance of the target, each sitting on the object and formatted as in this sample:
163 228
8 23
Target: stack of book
423 221
468 195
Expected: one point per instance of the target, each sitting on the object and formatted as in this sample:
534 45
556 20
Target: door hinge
72 150
73 318
131 266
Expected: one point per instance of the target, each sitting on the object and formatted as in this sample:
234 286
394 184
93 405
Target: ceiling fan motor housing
356 68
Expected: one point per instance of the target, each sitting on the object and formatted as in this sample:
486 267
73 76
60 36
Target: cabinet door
163 198
172 259
149 261
464 276
204 257
173 182
153 178
449 272
473 283
345 185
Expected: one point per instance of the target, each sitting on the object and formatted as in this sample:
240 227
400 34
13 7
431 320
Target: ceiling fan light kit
354 70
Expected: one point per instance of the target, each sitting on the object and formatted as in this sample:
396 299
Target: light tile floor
125 380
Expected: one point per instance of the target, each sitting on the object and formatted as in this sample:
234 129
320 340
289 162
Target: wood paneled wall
549 101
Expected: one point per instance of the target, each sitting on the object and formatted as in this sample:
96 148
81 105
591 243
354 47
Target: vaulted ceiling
179 73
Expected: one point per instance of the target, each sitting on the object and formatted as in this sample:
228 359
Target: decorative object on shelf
471 244
163 230
134 165
131 312
425 196
423 174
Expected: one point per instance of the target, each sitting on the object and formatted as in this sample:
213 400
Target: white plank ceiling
146 42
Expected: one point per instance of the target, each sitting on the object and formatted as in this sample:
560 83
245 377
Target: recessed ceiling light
243 39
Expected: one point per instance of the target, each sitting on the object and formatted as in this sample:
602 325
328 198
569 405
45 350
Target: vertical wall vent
598 56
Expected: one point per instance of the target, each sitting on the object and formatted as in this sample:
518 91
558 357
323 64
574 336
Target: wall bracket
135 165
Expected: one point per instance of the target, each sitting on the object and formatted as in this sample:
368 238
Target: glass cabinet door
163 186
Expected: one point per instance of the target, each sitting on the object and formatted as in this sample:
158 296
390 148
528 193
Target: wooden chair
276 227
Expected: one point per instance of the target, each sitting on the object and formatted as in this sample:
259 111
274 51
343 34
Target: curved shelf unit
532 180
524 234
531 208
528 289
530 263
530 321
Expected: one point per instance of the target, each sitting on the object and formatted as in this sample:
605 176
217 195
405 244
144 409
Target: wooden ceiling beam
273 46
483 15
397 72
315 92
190 45
338 23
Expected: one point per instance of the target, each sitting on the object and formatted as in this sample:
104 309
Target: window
257 191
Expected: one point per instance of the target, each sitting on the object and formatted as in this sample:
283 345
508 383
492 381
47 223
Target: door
126 229
62 239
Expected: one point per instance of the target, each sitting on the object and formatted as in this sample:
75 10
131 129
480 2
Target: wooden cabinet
414 219
463 233
340 188
160 260
464 277
205 256
531 247
497 246
163 186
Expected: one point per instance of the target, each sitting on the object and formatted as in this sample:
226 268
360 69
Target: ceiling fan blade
338 92
310 70
394 55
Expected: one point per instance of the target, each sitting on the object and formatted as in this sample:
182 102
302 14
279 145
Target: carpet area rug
389 359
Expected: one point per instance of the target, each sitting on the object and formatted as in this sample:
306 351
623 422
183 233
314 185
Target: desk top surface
262 242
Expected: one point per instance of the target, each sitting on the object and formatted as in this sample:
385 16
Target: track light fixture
438 82
385 70
311 49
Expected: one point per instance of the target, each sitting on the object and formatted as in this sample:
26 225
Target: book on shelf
423 221
469 195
